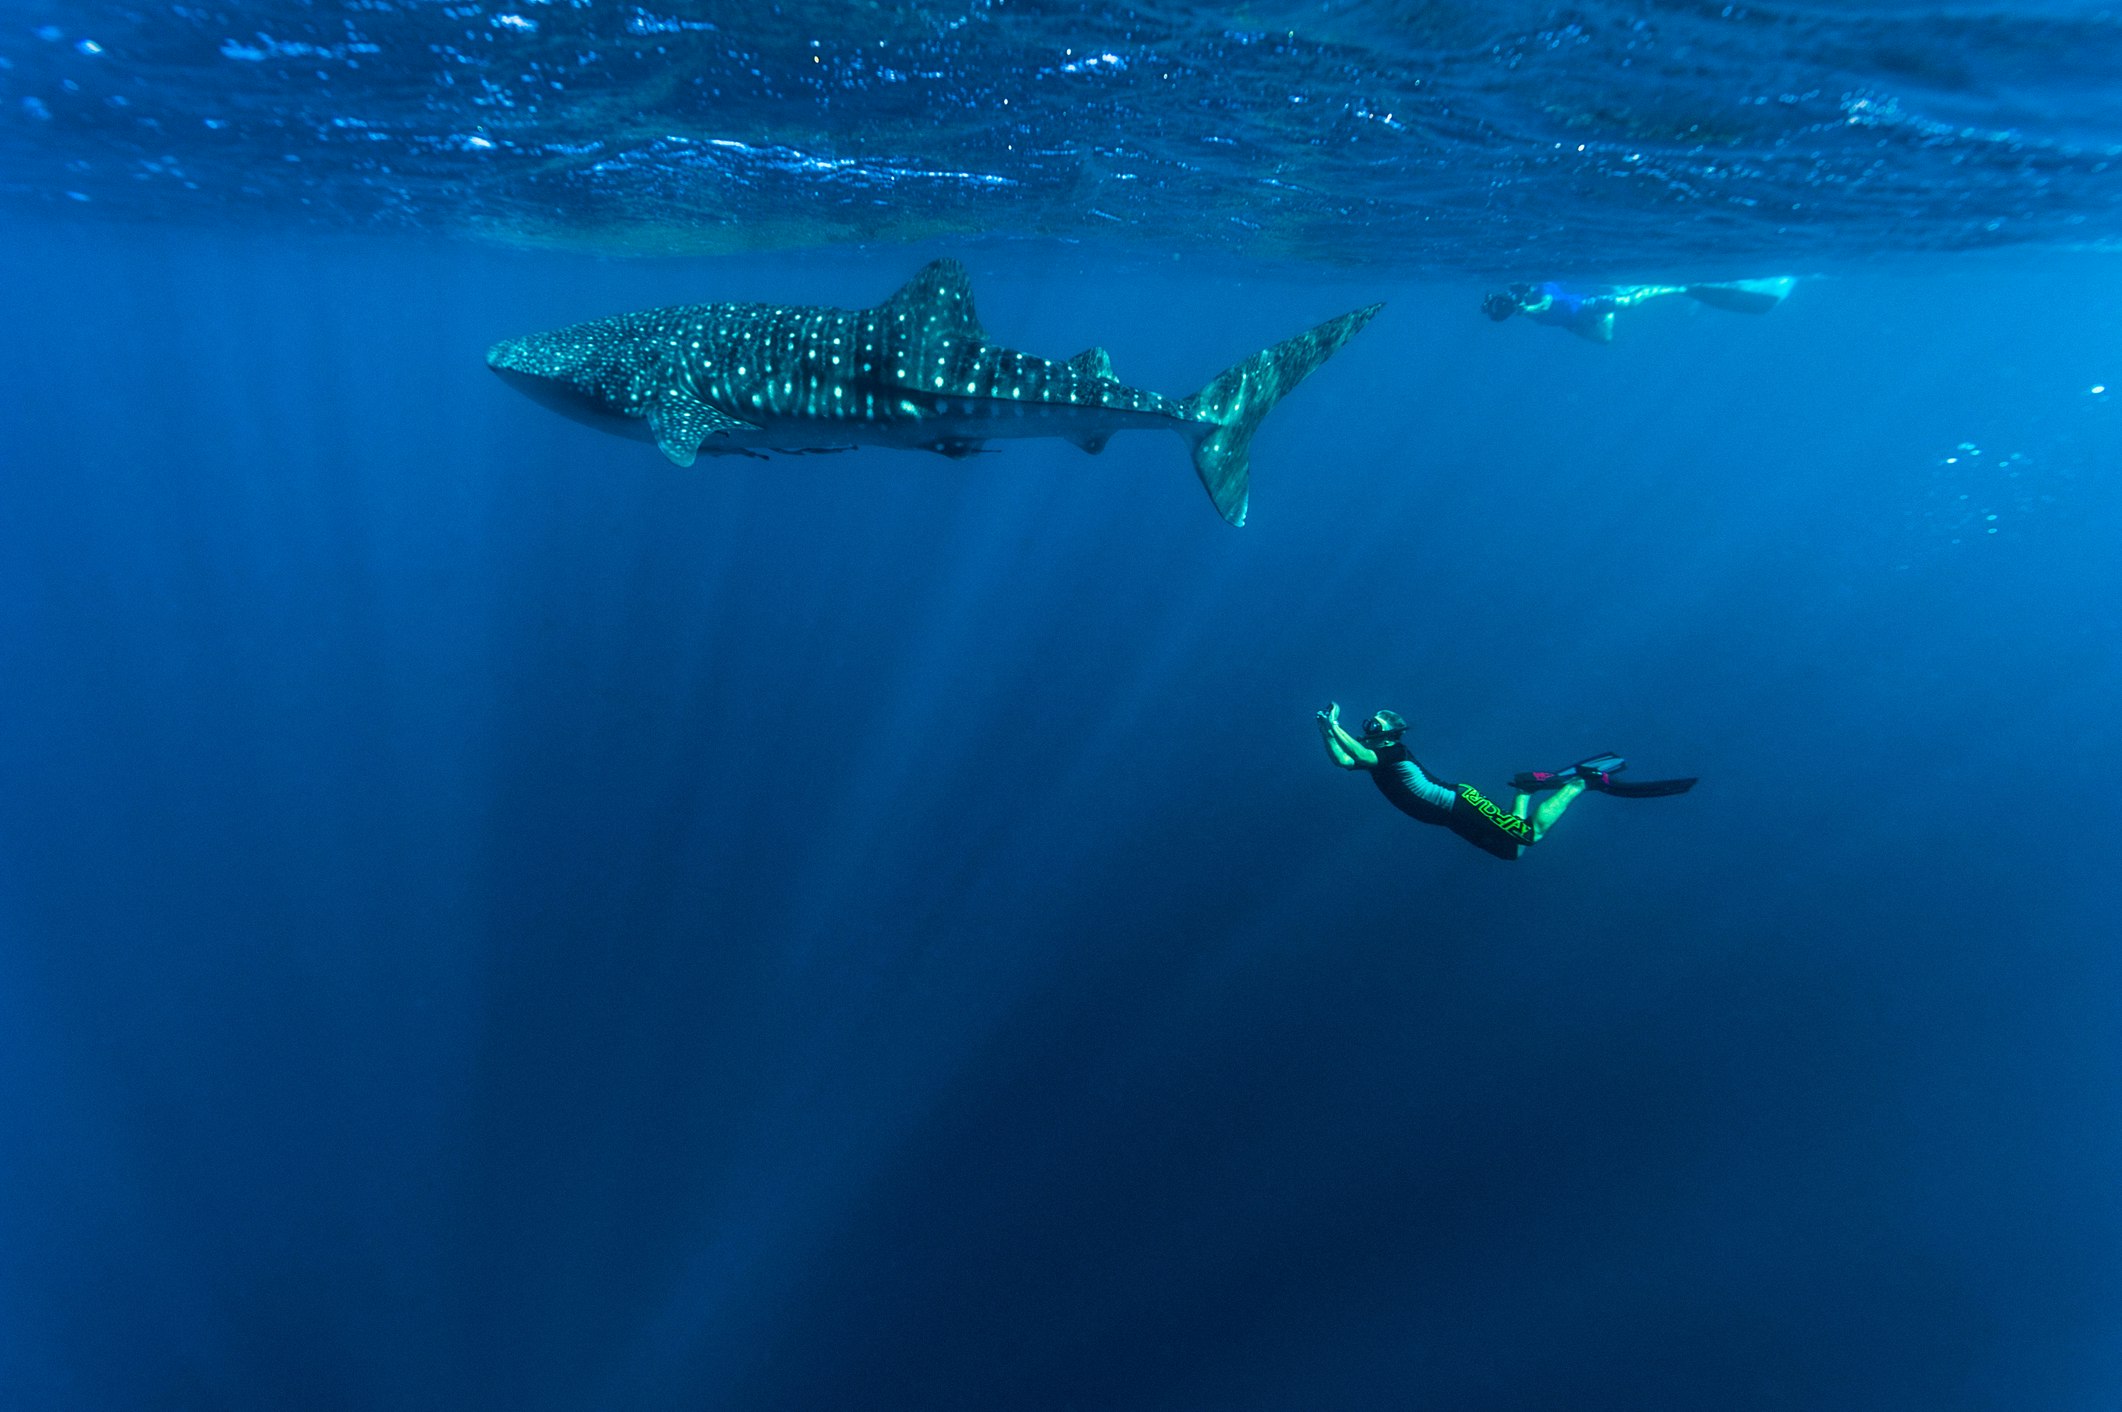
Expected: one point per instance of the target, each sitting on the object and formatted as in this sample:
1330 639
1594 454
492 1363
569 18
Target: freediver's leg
1637 293
1551 809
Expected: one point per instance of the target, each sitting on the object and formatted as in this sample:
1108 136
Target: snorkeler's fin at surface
1744 296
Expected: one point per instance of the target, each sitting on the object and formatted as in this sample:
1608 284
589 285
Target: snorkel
1384 728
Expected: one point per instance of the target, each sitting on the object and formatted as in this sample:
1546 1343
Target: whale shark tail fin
1224 415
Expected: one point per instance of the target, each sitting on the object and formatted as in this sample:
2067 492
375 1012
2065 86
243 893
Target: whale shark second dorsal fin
1093 362
941 295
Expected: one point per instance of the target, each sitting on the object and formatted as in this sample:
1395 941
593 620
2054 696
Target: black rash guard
1413 790
1461 808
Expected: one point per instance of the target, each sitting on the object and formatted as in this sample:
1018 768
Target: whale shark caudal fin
1234 403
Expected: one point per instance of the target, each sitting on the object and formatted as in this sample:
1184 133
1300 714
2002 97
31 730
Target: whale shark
915 372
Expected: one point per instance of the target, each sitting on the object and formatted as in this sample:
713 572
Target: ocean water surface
492 920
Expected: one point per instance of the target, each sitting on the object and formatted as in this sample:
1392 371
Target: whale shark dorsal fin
1093 362
681 422
942 294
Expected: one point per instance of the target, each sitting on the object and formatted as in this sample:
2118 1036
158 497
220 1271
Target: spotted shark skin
915 372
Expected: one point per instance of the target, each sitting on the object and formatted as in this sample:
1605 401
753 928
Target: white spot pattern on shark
749 379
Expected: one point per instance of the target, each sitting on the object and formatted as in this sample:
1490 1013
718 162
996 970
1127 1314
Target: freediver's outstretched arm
1334 752
1347 751
1337 754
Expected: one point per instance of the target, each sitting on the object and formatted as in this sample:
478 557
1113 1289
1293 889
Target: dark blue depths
496 922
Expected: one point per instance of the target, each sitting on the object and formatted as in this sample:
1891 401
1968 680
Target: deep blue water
488 920
498 922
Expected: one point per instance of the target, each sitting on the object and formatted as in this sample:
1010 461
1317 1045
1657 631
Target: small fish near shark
915 372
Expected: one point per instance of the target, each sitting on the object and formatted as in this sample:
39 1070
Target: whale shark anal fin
957 448
681 423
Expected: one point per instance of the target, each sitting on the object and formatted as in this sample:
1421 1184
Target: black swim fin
1645 789
1591 771
1599 771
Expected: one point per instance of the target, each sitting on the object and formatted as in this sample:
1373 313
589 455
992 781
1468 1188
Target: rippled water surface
1491 137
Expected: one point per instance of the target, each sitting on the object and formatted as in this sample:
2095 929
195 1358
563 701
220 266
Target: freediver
1589 313
1488 826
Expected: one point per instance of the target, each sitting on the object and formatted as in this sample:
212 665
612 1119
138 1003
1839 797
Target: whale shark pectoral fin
1095 442
681 423
1093 362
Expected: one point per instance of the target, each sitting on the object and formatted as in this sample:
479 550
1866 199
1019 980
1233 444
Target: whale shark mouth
556 394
